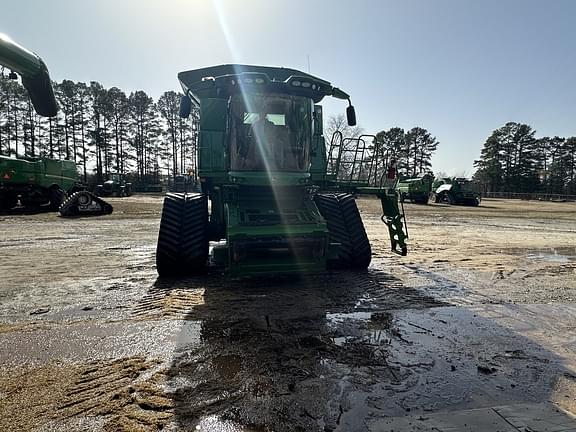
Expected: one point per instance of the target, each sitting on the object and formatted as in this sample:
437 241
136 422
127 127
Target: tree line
103 130
513 159
412 150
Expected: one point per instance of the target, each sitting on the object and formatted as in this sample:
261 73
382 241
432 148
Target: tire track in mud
127 393
199 298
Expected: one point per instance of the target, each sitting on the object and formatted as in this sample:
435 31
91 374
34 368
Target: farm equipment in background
279 202
416 190
115 186
34 182
455 190
84 203
39 183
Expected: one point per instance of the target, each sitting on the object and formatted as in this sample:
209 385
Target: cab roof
225 80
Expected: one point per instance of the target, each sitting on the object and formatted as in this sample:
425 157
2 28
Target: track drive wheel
182 241
345 227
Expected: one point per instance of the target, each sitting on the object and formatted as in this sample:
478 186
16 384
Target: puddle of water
215 424
560 255
340 317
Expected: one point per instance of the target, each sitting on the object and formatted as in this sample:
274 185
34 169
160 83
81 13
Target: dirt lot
480 314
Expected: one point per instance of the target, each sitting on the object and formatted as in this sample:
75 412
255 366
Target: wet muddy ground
481 314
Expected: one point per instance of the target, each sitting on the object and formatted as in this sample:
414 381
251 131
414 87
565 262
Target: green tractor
279 201
416 190
116 185
456 191
35 182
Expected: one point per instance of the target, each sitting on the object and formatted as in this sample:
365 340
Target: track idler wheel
84 203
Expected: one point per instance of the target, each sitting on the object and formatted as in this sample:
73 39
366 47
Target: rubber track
345 227
71 206
182 242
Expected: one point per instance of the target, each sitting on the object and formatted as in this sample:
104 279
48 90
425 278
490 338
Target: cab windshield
270 133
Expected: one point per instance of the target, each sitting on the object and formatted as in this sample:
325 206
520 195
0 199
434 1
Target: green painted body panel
415 189
273 179
42 173
267 234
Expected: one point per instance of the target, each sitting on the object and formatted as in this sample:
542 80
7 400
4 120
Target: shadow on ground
337 351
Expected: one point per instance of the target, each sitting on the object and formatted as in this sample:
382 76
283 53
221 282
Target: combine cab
279 201
457 191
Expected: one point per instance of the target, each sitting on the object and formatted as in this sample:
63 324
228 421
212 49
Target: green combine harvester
280 201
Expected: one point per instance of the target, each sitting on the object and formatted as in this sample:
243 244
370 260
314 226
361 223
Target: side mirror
318 122
185 106
351 115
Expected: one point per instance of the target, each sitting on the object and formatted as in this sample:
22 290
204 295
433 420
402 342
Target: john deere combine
279 201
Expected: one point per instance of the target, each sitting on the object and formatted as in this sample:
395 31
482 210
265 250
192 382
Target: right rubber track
345 227
182 241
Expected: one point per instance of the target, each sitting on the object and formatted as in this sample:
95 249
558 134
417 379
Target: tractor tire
183 241
345 226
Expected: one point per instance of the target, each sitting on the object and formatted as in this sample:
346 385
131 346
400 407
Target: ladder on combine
364 166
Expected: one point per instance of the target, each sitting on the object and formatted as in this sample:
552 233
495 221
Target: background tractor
35 182
455 190
416 190
116 185
279 201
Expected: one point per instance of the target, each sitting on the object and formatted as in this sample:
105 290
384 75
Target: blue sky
459 68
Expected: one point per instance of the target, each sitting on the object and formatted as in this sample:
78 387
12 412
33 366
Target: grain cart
415 189
456 191
33 181
275 207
